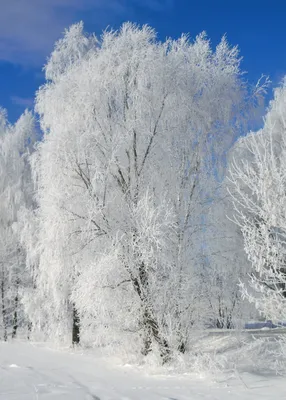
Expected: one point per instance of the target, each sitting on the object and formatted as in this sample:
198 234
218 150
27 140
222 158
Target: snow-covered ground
31 372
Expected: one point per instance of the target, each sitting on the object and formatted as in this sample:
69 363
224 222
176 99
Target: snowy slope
28 372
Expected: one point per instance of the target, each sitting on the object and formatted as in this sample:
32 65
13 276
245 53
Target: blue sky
29 28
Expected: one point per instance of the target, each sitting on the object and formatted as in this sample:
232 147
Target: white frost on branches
257 184
135 137
16 142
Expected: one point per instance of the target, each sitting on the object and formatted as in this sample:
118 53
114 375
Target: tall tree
133 131
15 192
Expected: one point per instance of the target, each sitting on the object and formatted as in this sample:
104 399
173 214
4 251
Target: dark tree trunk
75 327
4 314
15 319
151 330
229 324
182 346
150 324
29 330
182 343
15 316
222 324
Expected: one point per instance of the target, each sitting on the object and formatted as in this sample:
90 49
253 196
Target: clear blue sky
28 29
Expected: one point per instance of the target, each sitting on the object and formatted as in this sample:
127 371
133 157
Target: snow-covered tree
257 185
225 265
133 132
15 192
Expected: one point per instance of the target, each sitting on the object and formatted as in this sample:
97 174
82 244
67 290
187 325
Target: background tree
15 192
225 265
257 185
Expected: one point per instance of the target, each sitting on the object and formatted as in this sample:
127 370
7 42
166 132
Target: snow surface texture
29 372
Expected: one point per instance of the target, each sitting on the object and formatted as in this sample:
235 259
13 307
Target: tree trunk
4 316
15 317
151 329
29 330
147 341
75 327
149 322
182 344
